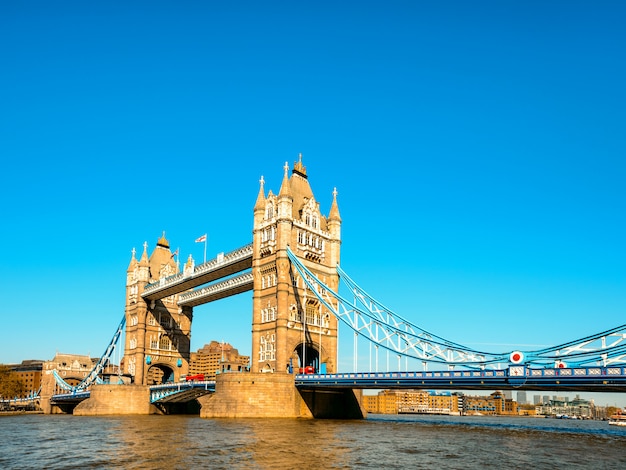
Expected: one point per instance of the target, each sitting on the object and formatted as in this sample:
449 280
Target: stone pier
117 400
274 395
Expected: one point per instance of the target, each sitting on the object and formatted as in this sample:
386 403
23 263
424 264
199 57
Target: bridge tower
158 332
290 327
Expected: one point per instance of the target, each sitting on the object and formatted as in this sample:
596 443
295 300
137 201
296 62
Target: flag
175 253
201 239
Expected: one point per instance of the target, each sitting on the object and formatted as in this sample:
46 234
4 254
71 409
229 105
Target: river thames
380 441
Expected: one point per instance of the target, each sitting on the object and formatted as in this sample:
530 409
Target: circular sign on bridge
516 357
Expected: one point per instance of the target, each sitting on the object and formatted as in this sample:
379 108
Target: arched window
165 343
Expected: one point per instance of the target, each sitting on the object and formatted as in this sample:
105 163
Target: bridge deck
220 290
585 379
217 268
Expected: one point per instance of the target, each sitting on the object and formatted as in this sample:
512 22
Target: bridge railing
548 373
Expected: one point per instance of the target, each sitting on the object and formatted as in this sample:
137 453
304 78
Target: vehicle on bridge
307 370
195 378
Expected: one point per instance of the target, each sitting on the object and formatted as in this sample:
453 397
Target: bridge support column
117 400
274 395
254 395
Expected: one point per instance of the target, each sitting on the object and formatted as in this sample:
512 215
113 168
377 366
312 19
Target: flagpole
203 238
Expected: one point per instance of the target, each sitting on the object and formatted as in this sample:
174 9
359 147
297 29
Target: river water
380 441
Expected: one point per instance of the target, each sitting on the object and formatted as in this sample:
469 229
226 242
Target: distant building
536 399
412 401
521 398
215 358
494 404
29 373
578 407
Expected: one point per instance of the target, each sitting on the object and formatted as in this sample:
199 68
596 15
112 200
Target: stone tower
290 327
158 333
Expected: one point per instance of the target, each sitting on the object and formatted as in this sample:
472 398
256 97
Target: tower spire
285 189
260 200
334 208
299 168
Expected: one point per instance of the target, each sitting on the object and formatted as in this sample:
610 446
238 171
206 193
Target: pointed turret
260 200
133 261
144 257
285 187
334 209
143 272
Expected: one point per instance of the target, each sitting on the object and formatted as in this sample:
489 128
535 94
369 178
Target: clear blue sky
478 149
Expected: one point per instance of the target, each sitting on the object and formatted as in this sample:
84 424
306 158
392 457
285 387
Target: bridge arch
160 373
306 355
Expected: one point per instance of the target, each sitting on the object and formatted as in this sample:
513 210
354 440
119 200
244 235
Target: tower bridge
293 269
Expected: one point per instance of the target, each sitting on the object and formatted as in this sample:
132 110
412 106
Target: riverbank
20 412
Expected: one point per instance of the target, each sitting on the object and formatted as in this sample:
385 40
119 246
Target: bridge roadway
583 379
222 266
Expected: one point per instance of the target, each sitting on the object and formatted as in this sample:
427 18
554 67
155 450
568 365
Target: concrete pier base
274 395
117 400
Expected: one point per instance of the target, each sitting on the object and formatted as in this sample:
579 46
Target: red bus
195 378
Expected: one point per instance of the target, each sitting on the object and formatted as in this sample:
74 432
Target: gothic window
268 314
164 343
311 315
262 282
133 293
151 321
133 343
133 320
269 211
154 344
164 320
267 348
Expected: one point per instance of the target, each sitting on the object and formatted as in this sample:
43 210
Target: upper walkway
222 266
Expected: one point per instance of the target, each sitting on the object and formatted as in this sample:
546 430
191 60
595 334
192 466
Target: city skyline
477 151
